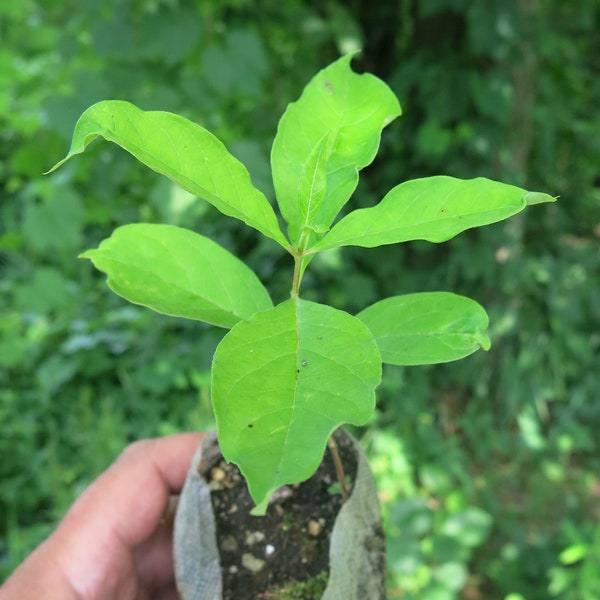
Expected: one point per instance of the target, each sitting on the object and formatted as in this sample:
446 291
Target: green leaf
313 181
180 273
324 139
532 198
282 382
470 526
186 153
426 328
574 554
433 209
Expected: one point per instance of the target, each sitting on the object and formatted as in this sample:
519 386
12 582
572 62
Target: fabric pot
356 545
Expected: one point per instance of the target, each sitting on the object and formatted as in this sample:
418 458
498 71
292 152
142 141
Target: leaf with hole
323 140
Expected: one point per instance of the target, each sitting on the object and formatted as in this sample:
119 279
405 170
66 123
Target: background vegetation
488 468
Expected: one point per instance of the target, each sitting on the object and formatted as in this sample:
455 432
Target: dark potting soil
267 557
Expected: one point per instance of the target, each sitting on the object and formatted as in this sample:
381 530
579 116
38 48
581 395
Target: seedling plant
285 377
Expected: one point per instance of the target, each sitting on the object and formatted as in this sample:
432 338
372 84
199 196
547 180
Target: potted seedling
286 377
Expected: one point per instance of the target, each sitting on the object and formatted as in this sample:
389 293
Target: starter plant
286 376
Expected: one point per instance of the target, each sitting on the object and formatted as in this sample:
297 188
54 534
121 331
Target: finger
120 510
168 592
132 495
154 558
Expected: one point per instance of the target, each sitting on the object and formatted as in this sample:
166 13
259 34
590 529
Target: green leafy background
488 468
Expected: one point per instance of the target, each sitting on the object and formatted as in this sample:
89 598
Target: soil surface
266 557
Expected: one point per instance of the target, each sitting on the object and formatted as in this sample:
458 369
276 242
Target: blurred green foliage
487 467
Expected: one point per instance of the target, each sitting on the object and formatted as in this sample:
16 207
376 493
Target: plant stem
339 467
337 461
298 262
297 275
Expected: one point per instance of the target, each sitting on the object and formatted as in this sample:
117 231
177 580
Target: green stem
339 468
297 275
298 263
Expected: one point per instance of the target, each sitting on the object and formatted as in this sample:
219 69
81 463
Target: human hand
115 543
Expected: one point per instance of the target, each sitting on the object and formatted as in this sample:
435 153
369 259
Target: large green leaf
324 139
178 272
282 382
433 209
426 328
186 153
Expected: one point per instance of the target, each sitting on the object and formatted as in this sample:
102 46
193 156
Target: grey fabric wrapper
197 567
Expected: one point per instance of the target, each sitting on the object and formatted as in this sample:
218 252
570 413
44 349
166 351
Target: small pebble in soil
250 562
228 544
217 474
254 536
315 527
215 486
